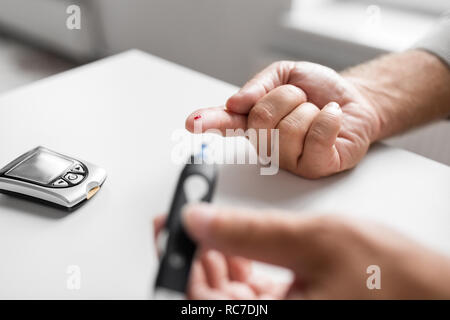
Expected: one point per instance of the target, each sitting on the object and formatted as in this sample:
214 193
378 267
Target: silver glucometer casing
50 177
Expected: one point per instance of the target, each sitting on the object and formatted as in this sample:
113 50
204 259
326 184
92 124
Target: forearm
406 89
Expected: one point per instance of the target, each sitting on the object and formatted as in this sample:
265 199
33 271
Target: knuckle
281 63
317 132
310 107
328 228
292 91
321 129
330 117
260 116
283 69
340 227
289 125
275 64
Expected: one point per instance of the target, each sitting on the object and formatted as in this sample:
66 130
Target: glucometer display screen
42 167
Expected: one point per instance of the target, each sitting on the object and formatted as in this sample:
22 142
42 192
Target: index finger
272 237
158 224
215 118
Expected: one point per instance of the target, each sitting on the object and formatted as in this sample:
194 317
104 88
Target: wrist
403 89
366 90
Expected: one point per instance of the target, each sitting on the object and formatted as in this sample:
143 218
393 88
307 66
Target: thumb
320 156
275 238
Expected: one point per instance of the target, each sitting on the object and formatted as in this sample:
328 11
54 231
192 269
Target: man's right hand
328 256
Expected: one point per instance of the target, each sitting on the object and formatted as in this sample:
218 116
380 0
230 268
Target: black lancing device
177 248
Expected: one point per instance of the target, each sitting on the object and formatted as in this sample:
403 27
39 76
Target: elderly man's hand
325 124
377 99
329 258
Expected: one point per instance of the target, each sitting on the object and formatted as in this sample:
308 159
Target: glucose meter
50 177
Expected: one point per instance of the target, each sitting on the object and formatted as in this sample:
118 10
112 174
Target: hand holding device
196 183
331 257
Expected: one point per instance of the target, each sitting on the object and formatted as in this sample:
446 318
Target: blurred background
227 39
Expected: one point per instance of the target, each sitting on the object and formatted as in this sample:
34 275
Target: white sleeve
437 41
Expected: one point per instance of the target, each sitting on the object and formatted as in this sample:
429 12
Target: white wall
43 23
216 37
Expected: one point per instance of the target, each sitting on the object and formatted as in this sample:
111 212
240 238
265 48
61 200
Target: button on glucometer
60 183
78 169
73 178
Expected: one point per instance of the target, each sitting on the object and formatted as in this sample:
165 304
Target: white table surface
120 113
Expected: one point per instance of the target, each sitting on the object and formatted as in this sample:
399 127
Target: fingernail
334 106
235 97
197 219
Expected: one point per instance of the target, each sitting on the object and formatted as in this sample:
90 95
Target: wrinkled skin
297 98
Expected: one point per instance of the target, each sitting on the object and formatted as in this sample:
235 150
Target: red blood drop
197 117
